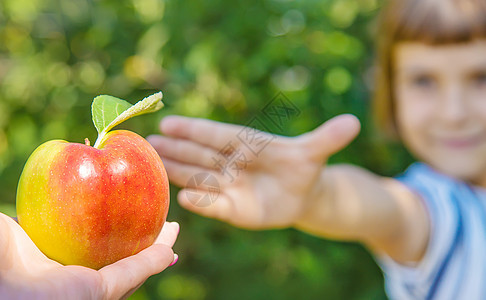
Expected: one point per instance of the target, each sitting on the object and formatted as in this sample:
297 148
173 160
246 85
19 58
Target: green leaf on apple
109 111
105 109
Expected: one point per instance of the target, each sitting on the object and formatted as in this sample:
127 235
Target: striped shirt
454 265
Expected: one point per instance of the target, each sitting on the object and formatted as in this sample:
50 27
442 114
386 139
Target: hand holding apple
92 206
28 274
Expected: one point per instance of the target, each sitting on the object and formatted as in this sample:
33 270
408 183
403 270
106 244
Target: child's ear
332 136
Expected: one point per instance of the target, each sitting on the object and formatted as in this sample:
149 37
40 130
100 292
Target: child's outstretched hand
26 273
271 189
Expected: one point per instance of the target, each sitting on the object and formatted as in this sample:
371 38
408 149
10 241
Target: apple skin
91 207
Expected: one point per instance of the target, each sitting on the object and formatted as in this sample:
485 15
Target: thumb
332 136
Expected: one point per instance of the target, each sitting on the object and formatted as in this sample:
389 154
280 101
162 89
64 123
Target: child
426 228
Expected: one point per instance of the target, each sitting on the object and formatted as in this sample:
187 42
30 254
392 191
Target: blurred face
440 94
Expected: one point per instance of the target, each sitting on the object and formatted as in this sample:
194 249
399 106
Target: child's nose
454 108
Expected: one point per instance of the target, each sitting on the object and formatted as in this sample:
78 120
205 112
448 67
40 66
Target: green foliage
223 60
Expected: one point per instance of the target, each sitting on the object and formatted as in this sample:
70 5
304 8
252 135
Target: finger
202 131
184 175
332 136
184 151
126 274
168 234
217 206
130 292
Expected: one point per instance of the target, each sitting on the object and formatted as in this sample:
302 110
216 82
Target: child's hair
433 22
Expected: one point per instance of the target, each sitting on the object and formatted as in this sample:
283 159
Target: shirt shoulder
439 194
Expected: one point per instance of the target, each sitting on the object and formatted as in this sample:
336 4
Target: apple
92 206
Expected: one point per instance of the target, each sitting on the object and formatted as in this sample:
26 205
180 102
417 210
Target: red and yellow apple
93 206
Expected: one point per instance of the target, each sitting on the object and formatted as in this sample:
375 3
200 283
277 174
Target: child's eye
423 81
479 80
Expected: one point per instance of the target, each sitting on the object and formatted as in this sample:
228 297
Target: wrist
319 194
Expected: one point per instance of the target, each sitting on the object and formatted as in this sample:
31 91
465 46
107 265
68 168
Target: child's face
440 94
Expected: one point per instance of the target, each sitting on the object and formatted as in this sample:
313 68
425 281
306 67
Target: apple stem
86 142
101 135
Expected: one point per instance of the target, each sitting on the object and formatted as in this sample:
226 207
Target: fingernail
176 258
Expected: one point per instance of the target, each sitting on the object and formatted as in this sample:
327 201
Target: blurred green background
223 60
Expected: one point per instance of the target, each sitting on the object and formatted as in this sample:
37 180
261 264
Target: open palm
26 273
268 186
